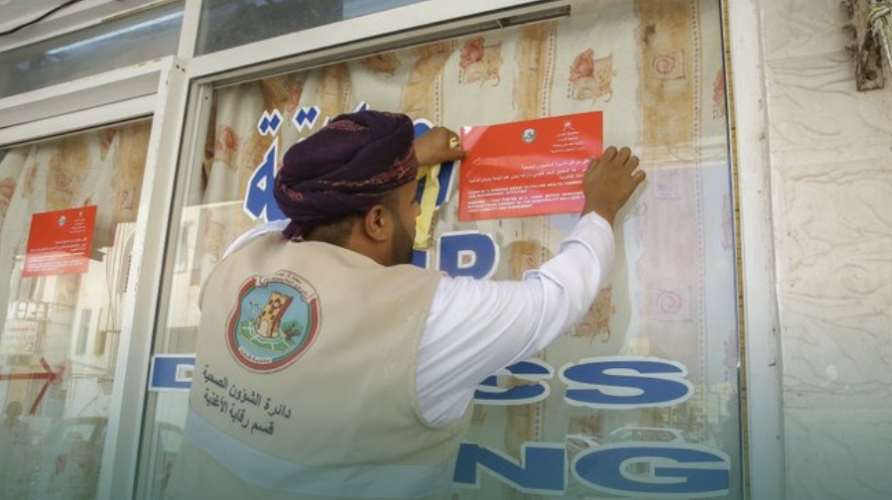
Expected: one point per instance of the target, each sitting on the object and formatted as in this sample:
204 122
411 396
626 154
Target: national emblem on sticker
274 321
529 135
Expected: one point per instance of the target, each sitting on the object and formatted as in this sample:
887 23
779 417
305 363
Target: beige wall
830 151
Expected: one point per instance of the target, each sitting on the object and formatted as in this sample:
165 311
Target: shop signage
171 372
524 168
59 242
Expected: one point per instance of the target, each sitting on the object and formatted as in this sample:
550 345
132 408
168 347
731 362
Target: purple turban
344 169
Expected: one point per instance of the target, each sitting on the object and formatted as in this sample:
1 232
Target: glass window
64 274
129 40
230 23
655 70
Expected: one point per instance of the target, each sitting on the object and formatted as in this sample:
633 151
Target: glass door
664 332
68 211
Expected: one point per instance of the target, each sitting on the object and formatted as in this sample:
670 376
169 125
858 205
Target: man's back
306 378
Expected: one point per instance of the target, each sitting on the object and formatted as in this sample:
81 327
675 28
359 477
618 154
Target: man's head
353 184
13 410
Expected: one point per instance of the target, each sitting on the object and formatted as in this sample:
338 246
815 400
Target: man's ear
377 224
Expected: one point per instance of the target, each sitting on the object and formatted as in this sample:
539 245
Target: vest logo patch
274 321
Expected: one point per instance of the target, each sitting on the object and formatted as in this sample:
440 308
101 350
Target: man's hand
610 181
438 145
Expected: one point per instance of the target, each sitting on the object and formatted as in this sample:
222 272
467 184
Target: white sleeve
269 227
477 327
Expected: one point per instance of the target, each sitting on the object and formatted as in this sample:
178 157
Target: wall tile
839 454
803 27
817 115
833 231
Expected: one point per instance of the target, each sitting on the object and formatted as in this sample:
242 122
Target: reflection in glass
107 46
655 69
59 333
230 23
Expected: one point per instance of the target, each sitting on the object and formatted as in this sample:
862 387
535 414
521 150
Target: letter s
626 382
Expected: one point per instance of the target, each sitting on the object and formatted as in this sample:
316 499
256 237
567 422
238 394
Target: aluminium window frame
75 18
760 341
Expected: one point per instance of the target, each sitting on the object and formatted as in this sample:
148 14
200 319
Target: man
359 379
17 459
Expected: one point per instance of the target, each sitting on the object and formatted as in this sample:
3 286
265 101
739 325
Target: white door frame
761 360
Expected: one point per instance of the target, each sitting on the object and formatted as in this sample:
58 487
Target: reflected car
70 458
647 434
644 435
576 443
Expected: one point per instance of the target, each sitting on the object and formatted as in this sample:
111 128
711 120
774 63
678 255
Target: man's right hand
610 181
438 145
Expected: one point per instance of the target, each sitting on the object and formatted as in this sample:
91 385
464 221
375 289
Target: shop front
645 398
